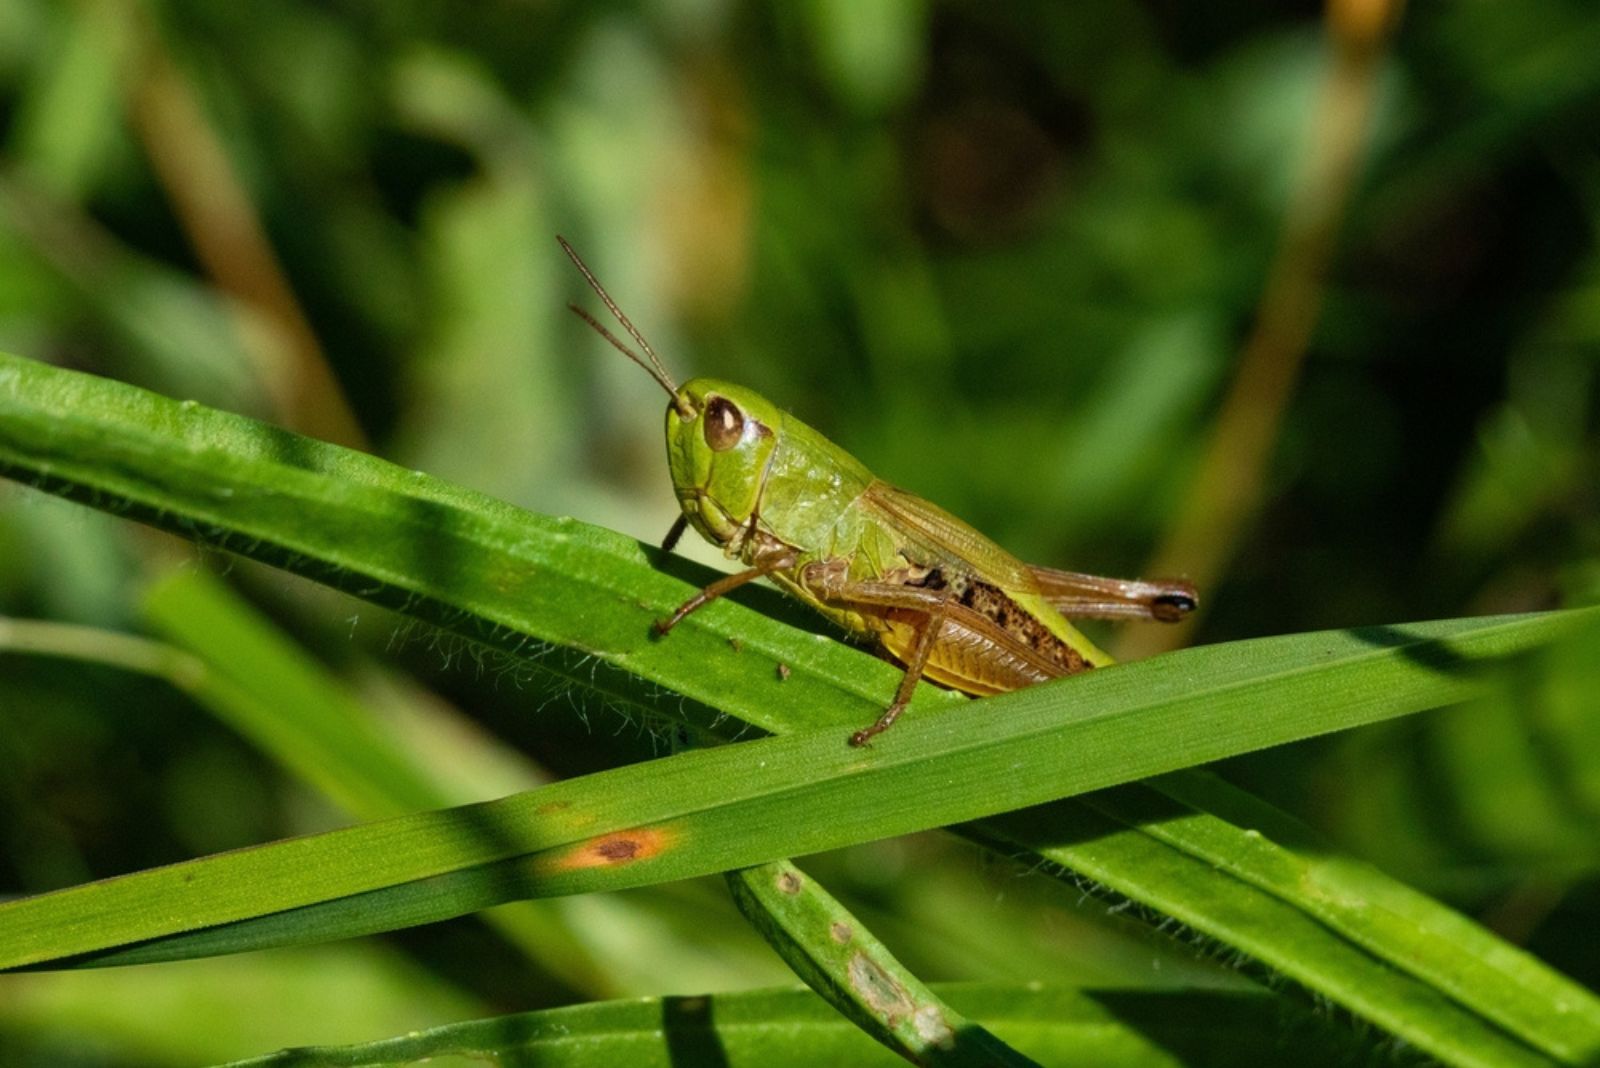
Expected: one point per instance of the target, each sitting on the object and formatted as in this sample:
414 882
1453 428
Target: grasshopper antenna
653 367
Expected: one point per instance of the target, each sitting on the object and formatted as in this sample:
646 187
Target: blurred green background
1033 261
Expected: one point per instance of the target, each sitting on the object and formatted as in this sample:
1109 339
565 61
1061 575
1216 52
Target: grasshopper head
720 438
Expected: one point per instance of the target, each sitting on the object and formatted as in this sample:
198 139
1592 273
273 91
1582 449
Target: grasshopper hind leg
932 632
884 599
926 639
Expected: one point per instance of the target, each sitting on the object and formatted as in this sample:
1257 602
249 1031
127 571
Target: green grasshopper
938 597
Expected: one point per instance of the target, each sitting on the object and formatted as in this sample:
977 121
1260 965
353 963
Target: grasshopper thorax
719 452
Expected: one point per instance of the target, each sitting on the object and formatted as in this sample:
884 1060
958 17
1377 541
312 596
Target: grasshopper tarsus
885 721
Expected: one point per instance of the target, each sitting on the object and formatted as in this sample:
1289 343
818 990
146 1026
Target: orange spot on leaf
618 847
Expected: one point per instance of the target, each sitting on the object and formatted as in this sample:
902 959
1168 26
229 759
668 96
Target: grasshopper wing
933 537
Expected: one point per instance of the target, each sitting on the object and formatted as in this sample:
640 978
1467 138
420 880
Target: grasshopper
932 593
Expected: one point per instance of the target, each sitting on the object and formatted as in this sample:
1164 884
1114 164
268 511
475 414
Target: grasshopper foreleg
679 525
766 566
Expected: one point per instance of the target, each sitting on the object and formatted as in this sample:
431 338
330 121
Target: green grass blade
710 810
856 974
1249 875
1053 1025
1281 857
574 600
272 692
1403 983
294 711
503 576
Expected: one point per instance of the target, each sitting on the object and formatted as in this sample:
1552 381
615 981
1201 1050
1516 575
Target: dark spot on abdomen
995 604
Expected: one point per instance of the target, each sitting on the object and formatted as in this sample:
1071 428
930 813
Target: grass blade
855 973
1053 1025
515 580
1397 984
707 811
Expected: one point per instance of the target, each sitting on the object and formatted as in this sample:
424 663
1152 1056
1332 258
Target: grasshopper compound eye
724 424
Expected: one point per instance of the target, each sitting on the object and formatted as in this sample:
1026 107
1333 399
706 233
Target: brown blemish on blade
879 990
892 1002
789 882
616 848
933 1028
552 806
841 932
